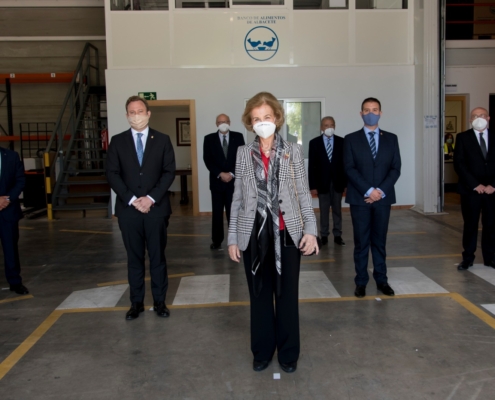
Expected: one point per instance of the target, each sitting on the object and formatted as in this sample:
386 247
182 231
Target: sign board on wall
147 95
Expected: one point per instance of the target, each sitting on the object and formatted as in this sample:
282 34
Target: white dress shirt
485 136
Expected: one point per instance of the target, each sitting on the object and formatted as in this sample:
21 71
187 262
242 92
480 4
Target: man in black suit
140 170
219 155
327 178
474 162
12 182
372 163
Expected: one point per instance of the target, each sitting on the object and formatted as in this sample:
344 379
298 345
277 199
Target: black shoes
161 309
19 289
134 311
215 246
463 265
260 365
360 291
324 240
338 240
289 367
386 289
490 264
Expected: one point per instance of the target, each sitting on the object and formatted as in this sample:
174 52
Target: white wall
225 91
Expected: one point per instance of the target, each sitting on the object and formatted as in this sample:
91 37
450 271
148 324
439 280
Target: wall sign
147 95
261 43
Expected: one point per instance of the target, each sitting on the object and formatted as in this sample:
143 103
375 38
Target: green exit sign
147 95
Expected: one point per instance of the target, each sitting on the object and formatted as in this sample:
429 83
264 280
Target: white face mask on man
479 124
224 128
264 129
139 121
329 132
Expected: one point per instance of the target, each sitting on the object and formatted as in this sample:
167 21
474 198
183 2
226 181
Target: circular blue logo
261 43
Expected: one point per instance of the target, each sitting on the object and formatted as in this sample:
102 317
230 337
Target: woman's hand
234 253
307 245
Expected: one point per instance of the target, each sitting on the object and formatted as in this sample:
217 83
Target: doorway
177 118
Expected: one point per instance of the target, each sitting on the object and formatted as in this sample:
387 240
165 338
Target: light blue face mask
371 119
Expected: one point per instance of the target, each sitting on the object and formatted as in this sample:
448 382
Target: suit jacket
12 181
294 197
364 172
215 160
322 172
470 164
127 178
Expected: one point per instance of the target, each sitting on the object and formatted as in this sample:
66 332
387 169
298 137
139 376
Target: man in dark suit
140 170
372 163
12 182
219 155
474 162
327 178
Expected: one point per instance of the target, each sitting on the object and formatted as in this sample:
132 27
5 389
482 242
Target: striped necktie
372 144
225 146
139 148
329 149
483 145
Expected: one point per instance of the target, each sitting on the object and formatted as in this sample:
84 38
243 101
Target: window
302 119
201 4
137 5
320 4
381 4
257 2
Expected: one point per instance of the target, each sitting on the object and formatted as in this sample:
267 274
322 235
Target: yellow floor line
185 235
317 261
80 231
406 233
28 296
30 341
485 317
425 256
26 228
124 281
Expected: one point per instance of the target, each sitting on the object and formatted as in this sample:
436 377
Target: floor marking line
485 317
28 296
124 281
426 256
81 231
29 342
26 228
186 235
407 233
317 261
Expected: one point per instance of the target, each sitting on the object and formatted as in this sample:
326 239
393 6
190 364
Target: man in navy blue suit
372 164
12 182
219 155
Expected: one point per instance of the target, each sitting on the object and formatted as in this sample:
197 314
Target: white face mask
224 128
329 131
138 122
264 129
479 124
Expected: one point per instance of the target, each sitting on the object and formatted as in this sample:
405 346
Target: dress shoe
260 365
360 291
215 246
134 311
324 240
161 309
289 367
19 289
463 265
338 240
490 264
386 289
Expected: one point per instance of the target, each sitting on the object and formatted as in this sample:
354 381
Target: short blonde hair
259 100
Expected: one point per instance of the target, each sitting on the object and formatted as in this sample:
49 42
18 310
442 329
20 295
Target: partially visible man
474 162
372 163
219 155
12 181
327 178
140 170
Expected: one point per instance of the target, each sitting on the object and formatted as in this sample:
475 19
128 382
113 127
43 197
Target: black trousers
220 200
140 234
370 225
9 236
276 326
472 206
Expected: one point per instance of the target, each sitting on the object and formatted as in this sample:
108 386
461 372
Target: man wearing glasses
474 162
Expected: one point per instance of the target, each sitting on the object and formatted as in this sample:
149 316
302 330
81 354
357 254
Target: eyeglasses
474 116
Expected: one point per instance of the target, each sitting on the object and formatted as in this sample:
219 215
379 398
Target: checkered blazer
293 196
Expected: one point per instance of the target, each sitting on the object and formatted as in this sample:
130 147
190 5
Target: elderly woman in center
272 222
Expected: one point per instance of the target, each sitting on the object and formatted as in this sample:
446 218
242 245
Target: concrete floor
414 346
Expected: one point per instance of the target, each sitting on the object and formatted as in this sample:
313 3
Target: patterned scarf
267 201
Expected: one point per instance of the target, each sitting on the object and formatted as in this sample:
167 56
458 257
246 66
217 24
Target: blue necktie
139 147
372 143
329 150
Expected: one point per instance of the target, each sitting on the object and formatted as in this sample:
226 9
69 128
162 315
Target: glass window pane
320 4
303 122
137 5
257 2
381 4
201 4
